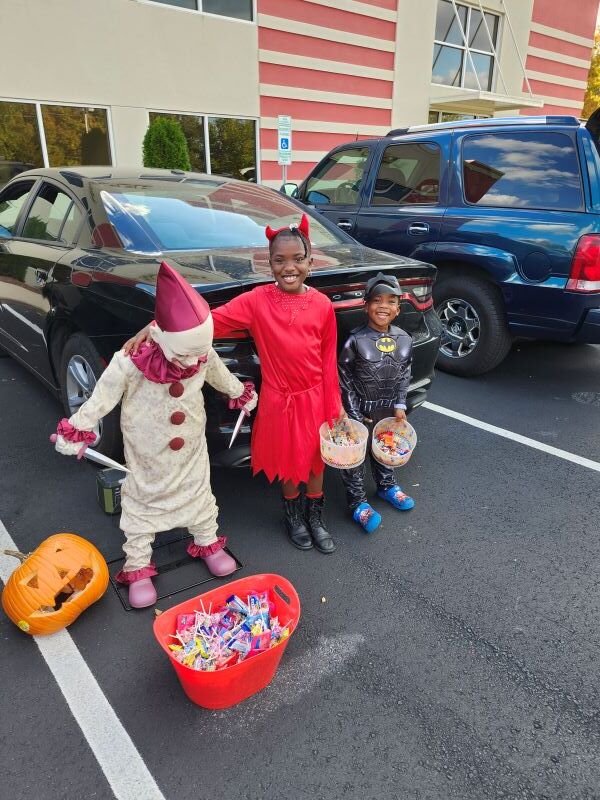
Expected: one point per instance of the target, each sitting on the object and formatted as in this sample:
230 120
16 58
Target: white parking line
118 757
515 437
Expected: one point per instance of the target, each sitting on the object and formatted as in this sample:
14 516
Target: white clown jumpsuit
163 427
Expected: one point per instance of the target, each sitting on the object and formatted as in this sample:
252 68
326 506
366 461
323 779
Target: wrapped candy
211 640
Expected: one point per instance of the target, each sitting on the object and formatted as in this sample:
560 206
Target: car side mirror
289 189
317 199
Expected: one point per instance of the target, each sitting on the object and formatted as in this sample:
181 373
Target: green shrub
165 145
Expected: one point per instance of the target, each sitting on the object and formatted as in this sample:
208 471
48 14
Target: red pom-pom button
176 443
177 417
176 389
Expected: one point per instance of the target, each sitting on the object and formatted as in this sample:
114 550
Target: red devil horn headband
303 228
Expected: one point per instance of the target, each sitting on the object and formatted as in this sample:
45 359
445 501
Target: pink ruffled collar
151 360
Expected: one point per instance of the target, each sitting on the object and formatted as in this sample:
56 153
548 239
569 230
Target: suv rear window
522 170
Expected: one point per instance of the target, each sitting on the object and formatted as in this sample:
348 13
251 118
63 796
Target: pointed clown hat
182 316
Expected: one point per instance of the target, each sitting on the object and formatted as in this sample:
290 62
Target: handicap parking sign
284 144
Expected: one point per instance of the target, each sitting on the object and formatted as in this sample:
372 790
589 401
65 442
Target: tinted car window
522 170
409 174
12 201
199 215
71 225
338 179
47 214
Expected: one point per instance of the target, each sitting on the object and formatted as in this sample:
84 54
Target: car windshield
199 215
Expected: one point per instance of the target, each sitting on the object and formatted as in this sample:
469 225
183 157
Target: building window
219 145
518 170
193 130
68 136
76 136
237 9
463 52
446 116
233 147
20 144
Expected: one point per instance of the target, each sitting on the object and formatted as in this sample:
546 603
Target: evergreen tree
165 145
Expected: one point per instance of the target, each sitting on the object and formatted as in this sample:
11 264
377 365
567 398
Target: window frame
42 133
302 196
36 189
376 169
468 136
199 10
466 49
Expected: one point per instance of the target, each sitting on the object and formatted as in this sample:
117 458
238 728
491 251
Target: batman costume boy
374 370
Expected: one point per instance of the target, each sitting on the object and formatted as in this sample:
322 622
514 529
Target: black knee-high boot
314 517
294 523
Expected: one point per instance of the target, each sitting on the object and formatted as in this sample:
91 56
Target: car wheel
80 370
475 336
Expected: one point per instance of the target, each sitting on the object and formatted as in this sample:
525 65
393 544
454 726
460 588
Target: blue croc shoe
397 498
367 517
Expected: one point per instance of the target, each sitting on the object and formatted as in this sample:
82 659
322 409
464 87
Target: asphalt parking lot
456 655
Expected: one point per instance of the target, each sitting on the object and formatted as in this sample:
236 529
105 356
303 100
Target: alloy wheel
461 327
81 382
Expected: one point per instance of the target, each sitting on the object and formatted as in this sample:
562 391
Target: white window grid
40 120
205 118
468 50
206 13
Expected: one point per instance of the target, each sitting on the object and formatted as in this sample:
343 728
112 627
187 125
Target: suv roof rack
488 122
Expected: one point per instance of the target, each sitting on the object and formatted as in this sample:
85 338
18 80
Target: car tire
476 336
80 369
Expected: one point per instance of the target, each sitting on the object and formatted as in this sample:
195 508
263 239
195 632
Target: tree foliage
232 147
165 145
592 95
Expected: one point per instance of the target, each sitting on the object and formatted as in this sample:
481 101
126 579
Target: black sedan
79 254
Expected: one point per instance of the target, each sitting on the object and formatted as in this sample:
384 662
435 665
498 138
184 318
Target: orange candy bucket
230 685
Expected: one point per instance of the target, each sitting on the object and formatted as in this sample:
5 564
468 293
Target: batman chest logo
385 344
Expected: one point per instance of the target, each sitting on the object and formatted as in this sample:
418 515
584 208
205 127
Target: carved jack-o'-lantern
54 584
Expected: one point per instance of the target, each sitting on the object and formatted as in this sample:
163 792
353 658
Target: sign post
284 144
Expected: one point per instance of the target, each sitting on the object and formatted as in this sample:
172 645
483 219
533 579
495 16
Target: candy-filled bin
229 685
345 444
393 442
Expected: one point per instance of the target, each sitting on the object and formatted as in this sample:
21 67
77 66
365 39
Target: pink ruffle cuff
71 434
201 551
245 397
136 574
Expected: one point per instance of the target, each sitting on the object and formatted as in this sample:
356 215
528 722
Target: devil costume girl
296 336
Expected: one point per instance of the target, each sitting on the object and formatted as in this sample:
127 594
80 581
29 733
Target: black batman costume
374 371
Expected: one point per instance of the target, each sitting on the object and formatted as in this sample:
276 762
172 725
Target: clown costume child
163 423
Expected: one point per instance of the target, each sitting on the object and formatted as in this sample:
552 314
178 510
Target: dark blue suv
508 209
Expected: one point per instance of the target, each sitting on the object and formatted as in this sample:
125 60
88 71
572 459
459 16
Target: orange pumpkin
54 584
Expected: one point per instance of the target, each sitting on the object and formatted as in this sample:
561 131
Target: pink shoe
142 593
220 563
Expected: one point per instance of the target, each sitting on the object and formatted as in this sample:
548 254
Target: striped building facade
559 52
341 69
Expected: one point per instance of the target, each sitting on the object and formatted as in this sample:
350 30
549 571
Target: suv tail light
585 269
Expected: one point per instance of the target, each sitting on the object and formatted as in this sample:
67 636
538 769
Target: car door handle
418 228
345 225
41 277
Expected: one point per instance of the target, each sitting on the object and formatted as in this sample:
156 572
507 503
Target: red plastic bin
230 685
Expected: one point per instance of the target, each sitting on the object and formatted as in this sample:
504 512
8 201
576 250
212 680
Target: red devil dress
295 335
